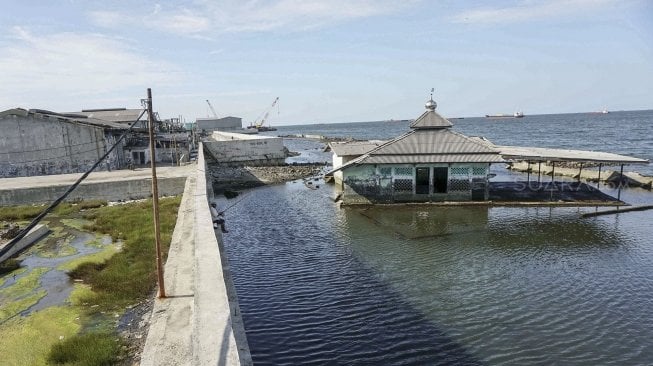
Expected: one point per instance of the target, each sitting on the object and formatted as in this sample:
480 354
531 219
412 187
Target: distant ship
519 114
604 111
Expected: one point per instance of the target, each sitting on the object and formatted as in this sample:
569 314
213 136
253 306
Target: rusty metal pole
155 198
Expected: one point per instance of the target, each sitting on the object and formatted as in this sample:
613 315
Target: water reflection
513 285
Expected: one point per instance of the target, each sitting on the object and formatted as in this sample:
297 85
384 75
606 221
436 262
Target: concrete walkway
199 322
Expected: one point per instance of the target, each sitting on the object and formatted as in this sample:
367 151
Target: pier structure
434 164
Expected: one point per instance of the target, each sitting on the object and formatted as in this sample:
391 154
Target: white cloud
530 10
206 17
73 66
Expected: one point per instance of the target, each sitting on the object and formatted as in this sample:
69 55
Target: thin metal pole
539 171
155 198
553 171
528 178
621 179
580 172
598 181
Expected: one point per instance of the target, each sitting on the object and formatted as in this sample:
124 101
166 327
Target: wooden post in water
155 198
598 181
621 180
528 170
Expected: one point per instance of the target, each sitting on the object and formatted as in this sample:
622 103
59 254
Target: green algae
22 294
27 340
78 224
17 272
96 258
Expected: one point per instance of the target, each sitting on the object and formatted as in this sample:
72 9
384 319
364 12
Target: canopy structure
540 154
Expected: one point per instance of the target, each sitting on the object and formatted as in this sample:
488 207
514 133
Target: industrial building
38 142
232 124
241 149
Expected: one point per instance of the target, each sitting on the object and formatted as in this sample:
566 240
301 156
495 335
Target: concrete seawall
111 186
199 322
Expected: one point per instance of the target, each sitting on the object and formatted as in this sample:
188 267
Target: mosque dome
431 105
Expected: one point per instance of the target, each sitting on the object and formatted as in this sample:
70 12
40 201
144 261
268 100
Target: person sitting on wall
218 218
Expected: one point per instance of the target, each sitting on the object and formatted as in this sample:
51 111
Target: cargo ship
519 114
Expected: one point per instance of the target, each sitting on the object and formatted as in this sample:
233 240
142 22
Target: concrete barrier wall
199 322
228 147
110 191
219 333
33 235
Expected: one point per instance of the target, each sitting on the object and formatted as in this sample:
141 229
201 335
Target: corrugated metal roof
430 119
546 154
48 114
438 158
441 141
113 115
354 148
429 146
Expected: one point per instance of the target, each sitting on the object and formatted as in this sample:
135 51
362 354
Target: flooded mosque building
433 163
429 163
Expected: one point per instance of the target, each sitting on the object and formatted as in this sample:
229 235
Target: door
440 178
422 180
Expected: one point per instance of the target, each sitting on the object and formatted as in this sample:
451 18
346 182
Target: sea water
323 284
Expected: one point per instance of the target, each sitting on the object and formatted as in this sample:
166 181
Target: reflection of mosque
497 226
416 222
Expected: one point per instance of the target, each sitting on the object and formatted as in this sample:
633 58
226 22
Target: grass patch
78 224
87 349
26 341
8 266
112 278
17 272
21 295
129 275
14 307
68 208
23 285
19 213
95 258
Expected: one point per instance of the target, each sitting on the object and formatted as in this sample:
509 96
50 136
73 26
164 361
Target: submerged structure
430 163
433 163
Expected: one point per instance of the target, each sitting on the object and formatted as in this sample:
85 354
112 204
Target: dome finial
431 104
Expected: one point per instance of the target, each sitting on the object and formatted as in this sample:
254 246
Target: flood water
421 285
434 285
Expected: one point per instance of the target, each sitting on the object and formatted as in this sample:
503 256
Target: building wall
219 124
236 148
48 145
397 183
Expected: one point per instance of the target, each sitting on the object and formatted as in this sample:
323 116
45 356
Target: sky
327 60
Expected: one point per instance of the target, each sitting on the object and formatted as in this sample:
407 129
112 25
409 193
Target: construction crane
212 109
259 124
